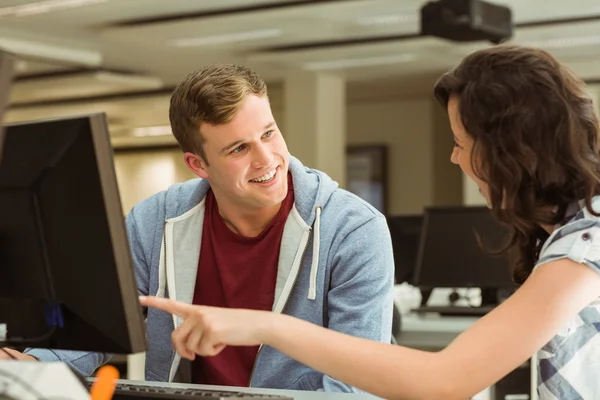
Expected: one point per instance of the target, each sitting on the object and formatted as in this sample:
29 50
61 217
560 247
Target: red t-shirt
236 272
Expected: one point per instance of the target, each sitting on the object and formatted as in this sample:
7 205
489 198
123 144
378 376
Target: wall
142 173
405 126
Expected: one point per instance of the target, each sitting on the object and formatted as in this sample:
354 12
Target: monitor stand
490 297
425 295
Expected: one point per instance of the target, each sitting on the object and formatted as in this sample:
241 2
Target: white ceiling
113 50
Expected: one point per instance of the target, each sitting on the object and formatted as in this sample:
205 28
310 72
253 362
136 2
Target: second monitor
405 231
450 257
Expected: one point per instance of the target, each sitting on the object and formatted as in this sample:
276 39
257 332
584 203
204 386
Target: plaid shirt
569 365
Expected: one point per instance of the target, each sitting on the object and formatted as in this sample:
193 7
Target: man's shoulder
346 202
176 199
345 212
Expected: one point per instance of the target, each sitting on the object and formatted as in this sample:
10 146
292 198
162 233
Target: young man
259 231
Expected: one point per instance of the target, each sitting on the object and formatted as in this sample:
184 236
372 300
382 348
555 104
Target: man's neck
248 223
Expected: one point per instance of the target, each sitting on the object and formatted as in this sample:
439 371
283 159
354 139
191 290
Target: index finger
177 308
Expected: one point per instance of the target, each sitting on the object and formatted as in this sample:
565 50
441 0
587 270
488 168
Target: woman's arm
479 357
494 346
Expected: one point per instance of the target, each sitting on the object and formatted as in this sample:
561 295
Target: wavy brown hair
536 141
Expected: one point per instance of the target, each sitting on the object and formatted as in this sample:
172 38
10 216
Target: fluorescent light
377 20
21 66
25 48
45 6
162 130
565 42
130 80
123 142
358 62
226 38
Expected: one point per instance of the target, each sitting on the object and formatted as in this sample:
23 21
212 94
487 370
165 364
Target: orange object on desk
105 383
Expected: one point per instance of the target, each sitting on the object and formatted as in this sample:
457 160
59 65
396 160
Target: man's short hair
211 95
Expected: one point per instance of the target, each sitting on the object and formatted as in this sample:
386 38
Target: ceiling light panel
234 37
50 52
46 6
358 62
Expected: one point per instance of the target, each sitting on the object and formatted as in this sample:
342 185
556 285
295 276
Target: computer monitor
405 231
450 257
6 75
67 275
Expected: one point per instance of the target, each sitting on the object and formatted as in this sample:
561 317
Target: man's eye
238 149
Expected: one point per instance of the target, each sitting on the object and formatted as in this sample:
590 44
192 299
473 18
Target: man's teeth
266 177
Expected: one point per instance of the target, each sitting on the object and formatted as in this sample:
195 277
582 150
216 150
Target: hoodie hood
306 180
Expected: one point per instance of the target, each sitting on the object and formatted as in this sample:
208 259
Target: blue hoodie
335 270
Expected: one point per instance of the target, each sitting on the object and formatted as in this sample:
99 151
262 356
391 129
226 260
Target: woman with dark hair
527 134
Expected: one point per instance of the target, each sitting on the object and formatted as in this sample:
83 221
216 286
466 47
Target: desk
295 394
433 332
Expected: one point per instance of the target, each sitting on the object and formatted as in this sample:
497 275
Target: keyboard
125 391
454 311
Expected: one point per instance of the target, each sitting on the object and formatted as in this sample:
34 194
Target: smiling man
259 230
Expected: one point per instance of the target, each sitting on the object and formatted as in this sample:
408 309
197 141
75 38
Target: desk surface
436 323
295 394
431 332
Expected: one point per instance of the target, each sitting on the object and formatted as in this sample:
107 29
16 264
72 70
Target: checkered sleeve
579 240
568 367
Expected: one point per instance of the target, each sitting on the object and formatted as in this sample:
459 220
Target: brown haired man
258 230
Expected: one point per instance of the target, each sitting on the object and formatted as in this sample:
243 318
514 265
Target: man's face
247 158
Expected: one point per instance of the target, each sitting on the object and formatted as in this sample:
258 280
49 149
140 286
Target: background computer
449 256
6 76
405 231
67 276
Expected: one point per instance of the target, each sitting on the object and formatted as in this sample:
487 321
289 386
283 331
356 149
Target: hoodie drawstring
314 268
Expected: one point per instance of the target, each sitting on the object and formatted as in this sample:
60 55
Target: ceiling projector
467 21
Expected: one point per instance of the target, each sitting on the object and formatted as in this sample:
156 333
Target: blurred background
349 80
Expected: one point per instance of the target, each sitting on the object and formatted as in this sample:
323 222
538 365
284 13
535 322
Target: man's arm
87 362
83 362
361 296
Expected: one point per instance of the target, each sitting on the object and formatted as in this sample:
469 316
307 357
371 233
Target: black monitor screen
450 256
405 231
63 241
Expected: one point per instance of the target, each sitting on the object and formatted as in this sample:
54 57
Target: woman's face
463 147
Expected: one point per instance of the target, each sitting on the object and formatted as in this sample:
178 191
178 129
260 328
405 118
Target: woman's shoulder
578 238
